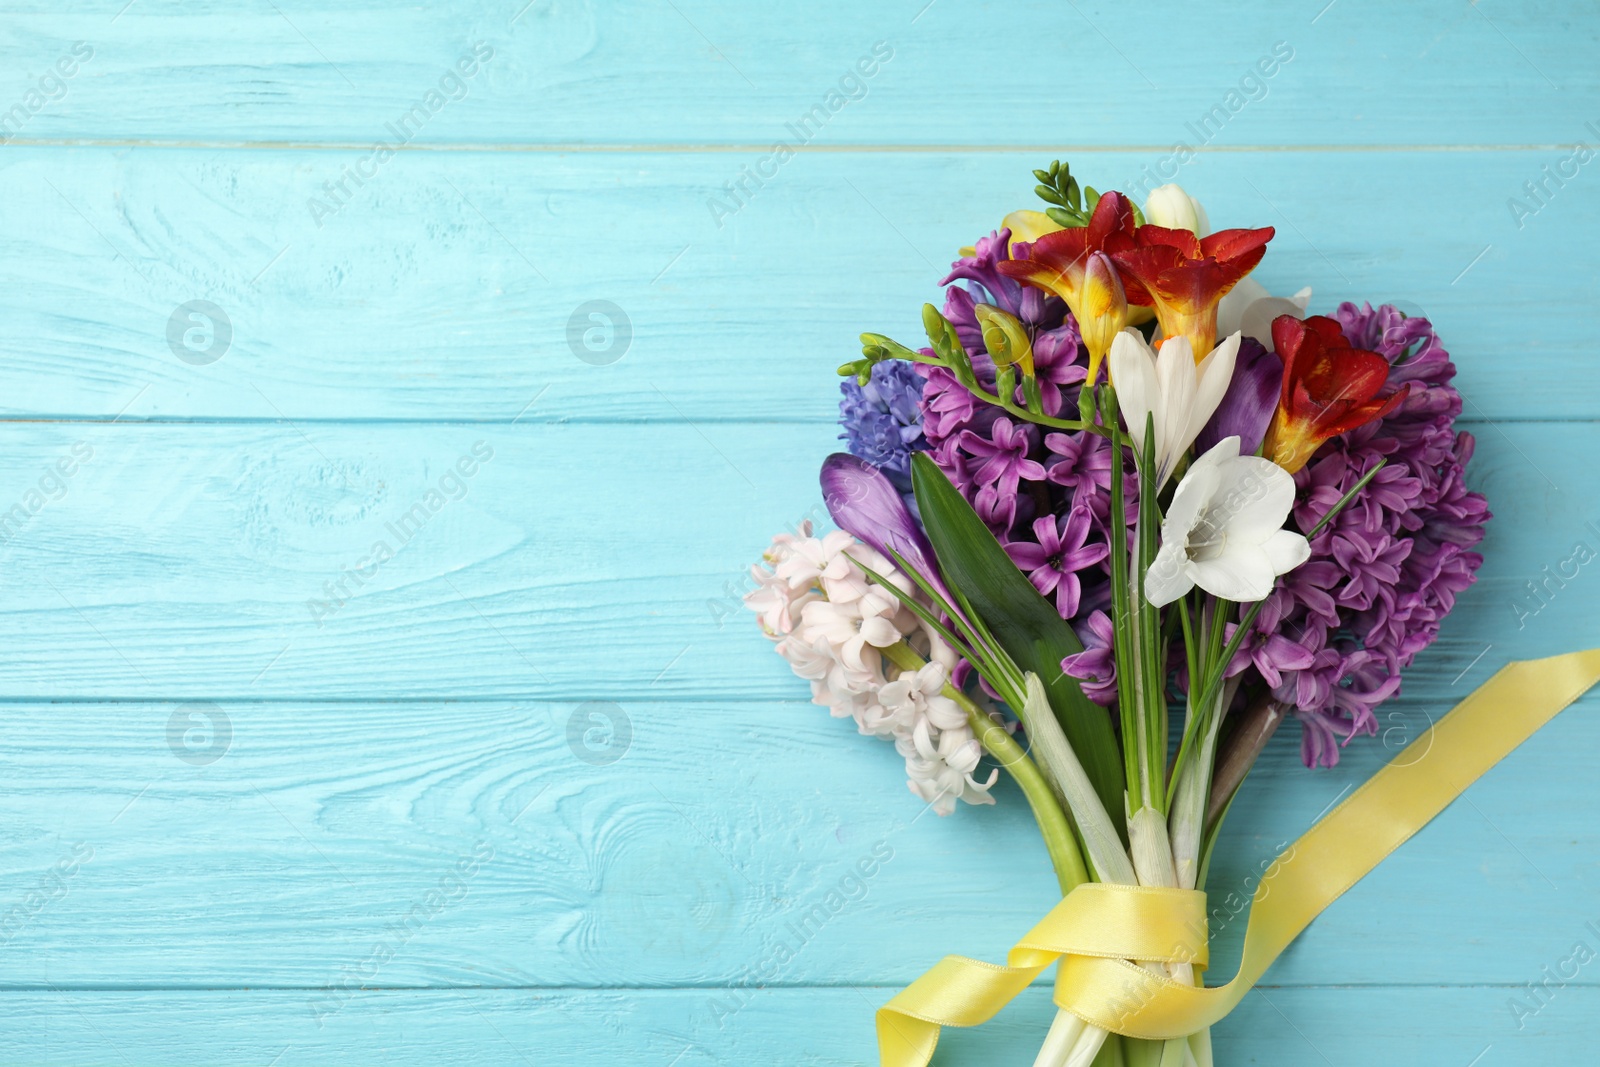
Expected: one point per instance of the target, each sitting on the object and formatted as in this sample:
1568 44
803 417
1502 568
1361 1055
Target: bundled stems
1172 811
1121 611
1252 730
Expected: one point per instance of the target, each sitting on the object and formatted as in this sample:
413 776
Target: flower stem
1002 398
1255 726
1053 825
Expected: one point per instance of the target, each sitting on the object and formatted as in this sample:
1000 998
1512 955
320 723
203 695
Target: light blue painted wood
620 912
583 562
445 289
822 1027
723 72
328 823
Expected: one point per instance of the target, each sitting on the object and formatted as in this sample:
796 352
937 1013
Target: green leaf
1026 626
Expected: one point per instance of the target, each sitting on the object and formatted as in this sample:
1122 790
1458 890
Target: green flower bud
1005 338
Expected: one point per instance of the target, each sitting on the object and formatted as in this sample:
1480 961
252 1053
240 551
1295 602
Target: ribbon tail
1098 928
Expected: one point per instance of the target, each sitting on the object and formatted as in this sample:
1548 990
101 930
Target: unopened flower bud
1171 207
1005 338
1103 308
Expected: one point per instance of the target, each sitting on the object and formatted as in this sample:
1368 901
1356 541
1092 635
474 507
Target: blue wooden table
395 397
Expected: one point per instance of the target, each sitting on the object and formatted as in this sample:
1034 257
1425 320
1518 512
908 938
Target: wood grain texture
722 72
211 561
819 1028
573 858
531 789
449 287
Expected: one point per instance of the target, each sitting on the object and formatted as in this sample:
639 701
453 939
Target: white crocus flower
1181 396
1224 530
1249 308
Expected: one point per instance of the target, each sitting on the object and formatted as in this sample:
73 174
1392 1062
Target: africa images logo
453 85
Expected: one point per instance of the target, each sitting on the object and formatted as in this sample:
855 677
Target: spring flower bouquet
1120 517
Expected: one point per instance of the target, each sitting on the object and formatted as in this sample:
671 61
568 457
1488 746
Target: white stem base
1070 1043
1058 1043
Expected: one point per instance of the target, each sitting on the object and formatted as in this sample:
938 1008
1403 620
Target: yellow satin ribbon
1098 928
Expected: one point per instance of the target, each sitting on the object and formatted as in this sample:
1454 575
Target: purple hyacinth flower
995 288
1386 571
1053 561
1000 460
1095 667
882 420
1081 462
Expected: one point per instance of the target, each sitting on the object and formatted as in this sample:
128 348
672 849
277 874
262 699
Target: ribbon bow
1098 928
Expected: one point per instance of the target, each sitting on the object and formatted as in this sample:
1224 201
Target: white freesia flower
1180 395
1224 529
1249 309
1175 209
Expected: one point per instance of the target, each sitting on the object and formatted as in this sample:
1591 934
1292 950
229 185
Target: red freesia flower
1329 387
1183 276
1059 263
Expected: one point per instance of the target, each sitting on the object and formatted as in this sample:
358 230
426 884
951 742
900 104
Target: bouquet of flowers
1122 515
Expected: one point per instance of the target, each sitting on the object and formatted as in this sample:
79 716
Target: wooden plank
667 844
821 1027
719 72
399 800
461 286
214 561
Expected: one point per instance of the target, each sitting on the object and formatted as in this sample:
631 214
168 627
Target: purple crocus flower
1247 406
865 503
